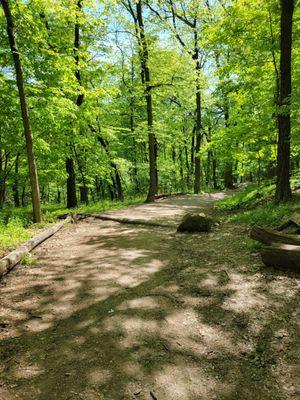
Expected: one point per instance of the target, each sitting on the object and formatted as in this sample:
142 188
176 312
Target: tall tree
283 188
33 176
187 14
70 167
138 19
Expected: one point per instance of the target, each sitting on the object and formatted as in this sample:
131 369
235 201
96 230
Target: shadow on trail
139 311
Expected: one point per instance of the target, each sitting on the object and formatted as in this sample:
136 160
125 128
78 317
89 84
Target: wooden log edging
280 250
133 221
8 262
282 256
269 236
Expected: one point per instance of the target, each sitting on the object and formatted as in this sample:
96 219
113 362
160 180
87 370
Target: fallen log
292 225
8 262
269 236
282 256
166 195
133 221
75 217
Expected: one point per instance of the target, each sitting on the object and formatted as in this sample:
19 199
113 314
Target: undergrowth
254 205
16 223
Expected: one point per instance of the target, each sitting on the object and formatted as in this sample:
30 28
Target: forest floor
114 312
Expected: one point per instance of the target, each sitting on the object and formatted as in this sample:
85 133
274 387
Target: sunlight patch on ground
188 382
245 297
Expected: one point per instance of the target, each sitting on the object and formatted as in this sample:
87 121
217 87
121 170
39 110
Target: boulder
195 223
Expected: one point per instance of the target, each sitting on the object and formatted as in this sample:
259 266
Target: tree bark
16 183
281 256
33 176
117 179
71 184
283 188
70 168
269 236
214 172
2 180
198 120
146 78
228 176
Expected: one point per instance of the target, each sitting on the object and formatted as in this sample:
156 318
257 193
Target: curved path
115 312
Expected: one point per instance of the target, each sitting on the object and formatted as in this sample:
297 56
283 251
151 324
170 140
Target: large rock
195 223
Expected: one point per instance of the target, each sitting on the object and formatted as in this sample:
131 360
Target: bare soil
115 312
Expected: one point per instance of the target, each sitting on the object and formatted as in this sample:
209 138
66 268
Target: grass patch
28 259
16 223
251 196
11 234
254 205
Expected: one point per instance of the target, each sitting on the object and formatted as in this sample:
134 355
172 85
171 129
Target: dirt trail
116 312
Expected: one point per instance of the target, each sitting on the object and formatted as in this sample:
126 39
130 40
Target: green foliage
16 226
269 214
12 234
238 51
28 259
254 205
248 197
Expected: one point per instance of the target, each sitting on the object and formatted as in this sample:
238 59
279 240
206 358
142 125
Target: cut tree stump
8 262
269 236
281 255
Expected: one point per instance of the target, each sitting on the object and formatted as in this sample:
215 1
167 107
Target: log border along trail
118 311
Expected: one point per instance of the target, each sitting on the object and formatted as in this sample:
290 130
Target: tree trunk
2 181
16 183
214 172
283 188
84 198
71 181
23 197
71 185
198 117
152 144
25 116
228 177
58 196
117 180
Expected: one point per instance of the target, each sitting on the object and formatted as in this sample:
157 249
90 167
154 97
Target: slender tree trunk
2 181
117 179
84 194
228 177
70 167
58 196
197 177
214 172
152 144
23 197
228 173
283 188
198 122
187 165
16 183
71 184
33 176
132 129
